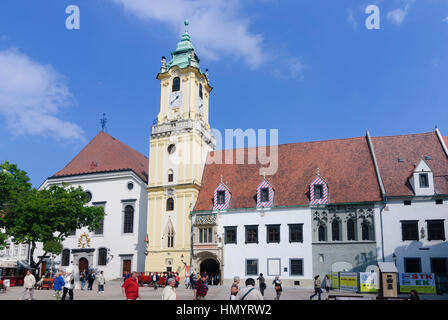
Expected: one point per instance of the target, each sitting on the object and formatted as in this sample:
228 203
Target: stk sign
421 282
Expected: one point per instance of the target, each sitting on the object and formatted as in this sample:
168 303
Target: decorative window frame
325 199
228 197
266 204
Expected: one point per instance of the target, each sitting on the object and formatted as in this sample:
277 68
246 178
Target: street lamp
394 257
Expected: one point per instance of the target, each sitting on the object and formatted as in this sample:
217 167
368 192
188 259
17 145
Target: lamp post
394 257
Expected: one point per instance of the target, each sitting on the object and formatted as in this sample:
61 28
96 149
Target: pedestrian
82 278
278 287
101 282
317 288
234 288
90 279
69 282
130 287
327 283
169 276
194 280
177 278
28 285
126 276
414 295
187 281
201 288
58 284
262 283
155 279
249 292
169 293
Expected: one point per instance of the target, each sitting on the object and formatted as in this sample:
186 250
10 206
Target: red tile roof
411 149
346 165
105 154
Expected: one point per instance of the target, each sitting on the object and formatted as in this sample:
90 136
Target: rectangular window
205 235
439 201
412 265
436 230
251 267
72 232
264 195
318 191
296 233
296 267
407 202
24 250
409 230
170 177
274 267
221 197
273 233
438 265
100 230
230 235
424 180
251 234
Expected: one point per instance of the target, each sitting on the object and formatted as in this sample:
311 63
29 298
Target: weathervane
103 122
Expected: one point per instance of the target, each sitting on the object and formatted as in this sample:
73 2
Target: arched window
169 204
200 91
350 229
170 176
335 228
128 219
169 233
65 257
365 228
322 233
176 84
102 256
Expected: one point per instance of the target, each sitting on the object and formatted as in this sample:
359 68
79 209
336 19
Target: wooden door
43 268
126 266
83 265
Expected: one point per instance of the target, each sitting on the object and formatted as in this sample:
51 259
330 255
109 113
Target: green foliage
53 246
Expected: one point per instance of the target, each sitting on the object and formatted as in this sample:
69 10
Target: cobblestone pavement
113 292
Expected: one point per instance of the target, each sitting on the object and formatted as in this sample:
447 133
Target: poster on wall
335 280
420 282
348 281
368 281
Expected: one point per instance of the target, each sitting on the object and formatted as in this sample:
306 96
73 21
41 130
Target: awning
8 263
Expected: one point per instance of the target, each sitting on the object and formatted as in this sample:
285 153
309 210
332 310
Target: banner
335 280
420 282
368 281
348 281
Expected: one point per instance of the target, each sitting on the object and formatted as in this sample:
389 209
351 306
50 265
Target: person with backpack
278 287
262 283
249 292
90 280
201 287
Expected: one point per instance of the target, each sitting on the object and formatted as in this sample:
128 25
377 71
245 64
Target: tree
13 183
46 216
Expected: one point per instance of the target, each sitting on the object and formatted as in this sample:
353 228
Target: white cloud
217 27
446 19
31 96
351 19
291 68
397 16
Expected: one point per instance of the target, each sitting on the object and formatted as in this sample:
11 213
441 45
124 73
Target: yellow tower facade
180 141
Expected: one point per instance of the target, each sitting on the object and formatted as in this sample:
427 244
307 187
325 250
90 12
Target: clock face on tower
175 99
201 106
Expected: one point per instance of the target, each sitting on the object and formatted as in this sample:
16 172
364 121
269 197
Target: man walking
200 289
262 283
28 285
317 288
249 292
90 280
68 286
130 287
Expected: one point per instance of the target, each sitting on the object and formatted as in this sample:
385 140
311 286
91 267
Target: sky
311 69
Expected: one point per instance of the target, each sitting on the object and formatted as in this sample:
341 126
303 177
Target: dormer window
318 191
424 180
264 194
221 197
176 84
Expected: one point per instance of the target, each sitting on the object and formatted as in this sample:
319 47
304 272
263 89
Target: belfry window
200 91
176 84
170 176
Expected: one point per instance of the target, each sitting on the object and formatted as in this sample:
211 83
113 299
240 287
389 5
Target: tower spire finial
318 171
103 122
186 23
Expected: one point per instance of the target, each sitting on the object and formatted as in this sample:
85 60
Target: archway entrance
211 267
83 265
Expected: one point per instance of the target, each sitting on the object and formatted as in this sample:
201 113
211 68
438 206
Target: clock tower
180 141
